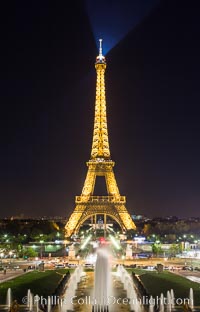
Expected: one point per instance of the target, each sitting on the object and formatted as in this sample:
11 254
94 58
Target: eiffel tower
100 164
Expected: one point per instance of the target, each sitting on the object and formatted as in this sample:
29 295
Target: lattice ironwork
100 164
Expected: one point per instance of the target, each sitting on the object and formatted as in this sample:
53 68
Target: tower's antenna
100 47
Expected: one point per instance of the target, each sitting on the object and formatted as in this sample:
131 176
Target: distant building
137 217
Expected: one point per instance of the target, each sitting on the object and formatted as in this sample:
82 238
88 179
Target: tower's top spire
100 144
100 57
100 47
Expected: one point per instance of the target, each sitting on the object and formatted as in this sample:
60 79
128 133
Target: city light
86 242
10 254
114 242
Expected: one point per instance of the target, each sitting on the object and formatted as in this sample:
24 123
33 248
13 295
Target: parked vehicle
89 265
72 265
59 266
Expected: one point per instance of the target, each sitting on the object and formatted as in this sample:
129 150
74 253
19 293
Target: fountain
151 304
169 302
9 298
172 298
126 279
49 304
70 291
36 299
161 306
31 302
28 299
102 281
191 299
102 291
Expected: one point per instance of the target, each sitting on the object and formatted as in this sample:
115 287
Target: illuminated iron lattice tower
100 164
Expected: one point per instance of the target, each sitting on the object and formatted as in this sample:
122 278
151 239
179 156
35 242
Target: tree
175 249
29 252
156 249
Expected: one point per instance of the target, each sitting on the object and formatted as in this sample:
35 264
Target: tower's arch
92 214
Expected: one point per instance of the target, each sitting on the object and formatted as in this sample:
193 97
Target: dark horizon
47 102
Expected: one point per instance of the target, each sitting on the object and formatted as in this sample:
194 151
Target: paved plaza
10 274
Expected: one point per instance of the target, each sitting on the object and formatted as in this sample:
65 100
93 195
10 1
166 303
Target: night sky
48 50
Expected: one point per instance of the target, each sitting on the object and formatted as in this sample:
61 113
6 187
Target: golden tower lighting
100 164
